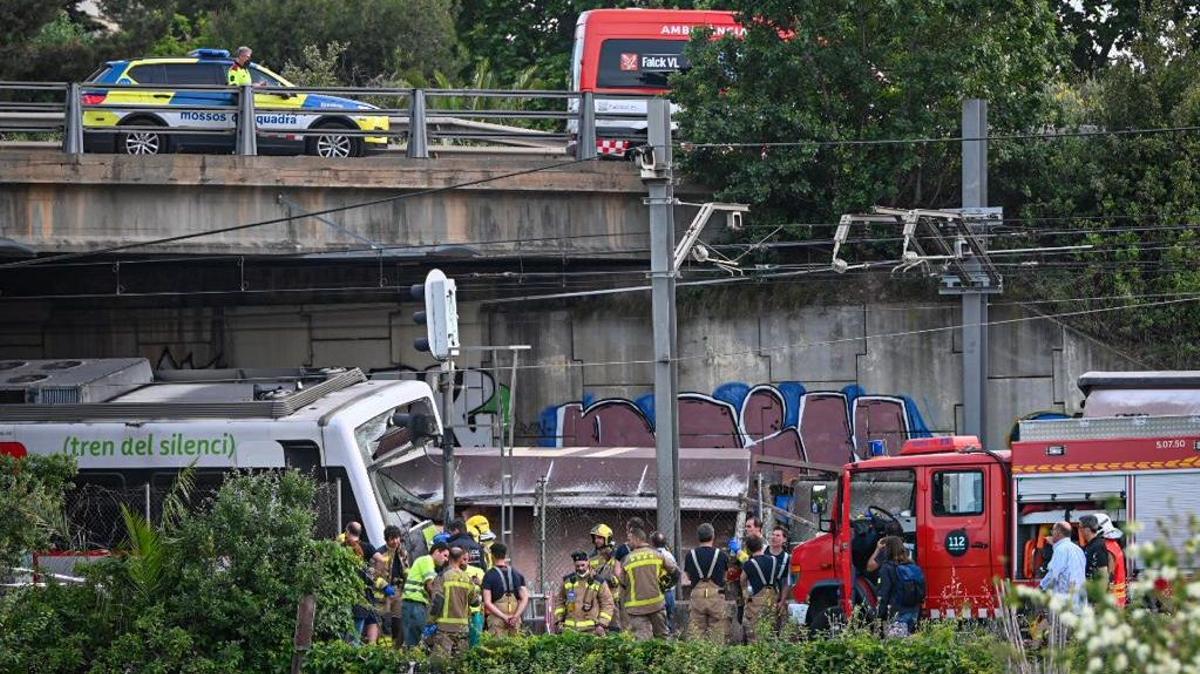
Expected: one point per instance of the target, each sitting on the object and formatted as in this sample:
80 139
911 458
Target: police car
278 115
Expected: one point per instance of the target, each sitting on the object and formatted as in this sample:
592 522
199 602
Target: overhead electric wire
927 140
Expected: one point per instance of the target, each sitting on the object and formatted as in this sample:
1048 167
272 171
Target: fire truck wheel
824 614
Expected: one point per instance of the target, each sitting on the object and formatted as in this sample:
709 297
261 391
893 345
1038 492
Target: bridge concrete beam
58 203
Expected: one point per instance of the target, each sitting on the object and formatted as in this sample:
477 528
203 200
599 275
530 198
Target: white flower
1120 662
1095 664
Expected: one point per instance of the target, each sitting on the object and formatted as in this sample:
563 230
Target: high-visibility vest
422 570
239 75
1118 582
644 570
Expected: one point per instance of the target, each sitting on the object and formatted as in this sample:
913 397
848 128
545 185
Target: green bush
213 590
940 649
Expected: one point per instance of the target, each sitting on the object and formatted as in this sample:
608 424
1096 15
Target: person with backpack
901 588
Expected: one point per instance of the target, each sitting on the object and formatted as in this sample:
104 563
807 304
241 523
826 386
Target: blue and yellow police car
152 102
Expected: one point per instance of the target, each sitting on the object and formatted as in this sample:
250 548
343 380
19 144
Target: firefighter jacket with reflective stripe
583 603
454 593
645 570
604 569
1118 583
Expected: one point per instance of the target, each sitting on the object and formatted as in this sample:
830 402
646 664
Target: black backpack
911 582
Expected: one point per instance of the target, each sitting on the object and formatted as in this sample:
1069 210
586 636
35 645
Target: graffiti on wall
782 420
478 402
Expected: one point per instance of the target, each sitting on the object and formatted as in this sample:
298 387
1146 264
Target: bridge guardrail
554 121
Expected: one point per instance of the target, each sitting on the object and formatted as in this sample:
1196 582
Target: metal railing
420 122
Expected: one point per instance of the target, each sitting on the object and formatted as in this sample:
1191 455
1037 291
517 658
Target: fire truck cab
970 515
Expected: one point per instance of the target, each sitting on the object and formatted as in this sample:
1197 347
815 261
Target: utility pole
657 175
974 298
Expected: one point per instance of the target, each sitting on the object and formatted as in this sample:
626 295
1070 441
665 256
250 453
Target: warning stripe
1189 462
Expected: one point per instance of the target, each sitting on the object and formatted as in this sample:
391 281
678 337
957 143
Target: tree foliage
32 490
383 36
215 592
844 70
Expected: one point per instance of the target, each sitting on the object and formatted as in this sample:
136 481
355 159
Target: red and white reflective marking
616 148
980 613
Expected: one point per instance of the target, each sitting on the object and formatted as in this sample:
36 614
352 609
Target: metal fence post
73 121
147 494
418 131
585 147
541 514
247 141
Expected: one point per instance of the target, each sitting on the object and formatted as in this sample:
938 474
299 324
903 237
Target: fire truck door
955 537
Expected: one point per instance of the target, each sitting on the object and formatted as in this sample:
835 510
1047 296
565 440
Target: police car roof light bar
209 53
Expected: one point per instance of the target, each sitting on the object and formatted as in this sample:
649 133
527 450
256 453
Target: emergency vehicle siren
440 316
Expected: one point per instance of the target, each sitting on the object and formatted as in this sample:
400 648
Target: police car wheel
142 142
333 146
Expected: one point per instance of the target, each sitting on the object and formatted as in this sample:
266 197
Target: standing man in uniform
585 603
453 595
779 549
705 567
604 564
759 583
647 574
1103 555
418 587
239 71
504 595
391 565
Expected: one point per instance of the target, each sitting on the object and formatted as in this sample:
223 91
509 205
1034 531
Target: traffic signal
440 316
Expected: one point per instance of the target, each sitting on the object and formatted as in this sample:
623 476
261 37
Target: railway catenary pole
974 298
657 175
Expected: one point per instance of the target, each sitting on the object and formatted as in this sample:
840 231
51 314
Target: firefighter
605 566
705 567
759 584
504 595
454 593
481 530
1105 551
391 567
646 575
585 603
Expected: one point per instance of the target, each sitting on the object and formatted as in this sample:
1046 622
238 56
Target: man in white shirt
1065 575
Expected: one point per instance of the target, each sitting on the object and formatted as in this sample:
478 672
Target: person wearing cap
585 604
1103 554
418 588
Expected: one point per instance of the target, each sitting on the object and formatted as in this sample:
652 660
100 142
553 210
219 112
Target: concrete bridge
59 203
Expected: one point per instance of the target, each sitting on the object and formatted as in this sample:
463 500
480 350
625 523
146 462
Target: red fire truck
972 515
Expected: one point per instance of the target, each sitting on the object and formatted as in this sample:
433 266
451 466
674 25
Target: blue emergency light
209 53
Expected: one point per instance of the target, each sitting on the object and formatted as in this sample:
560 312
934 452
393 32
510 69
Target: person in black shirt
1095 555
504 595
706 567
461 538
760 581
